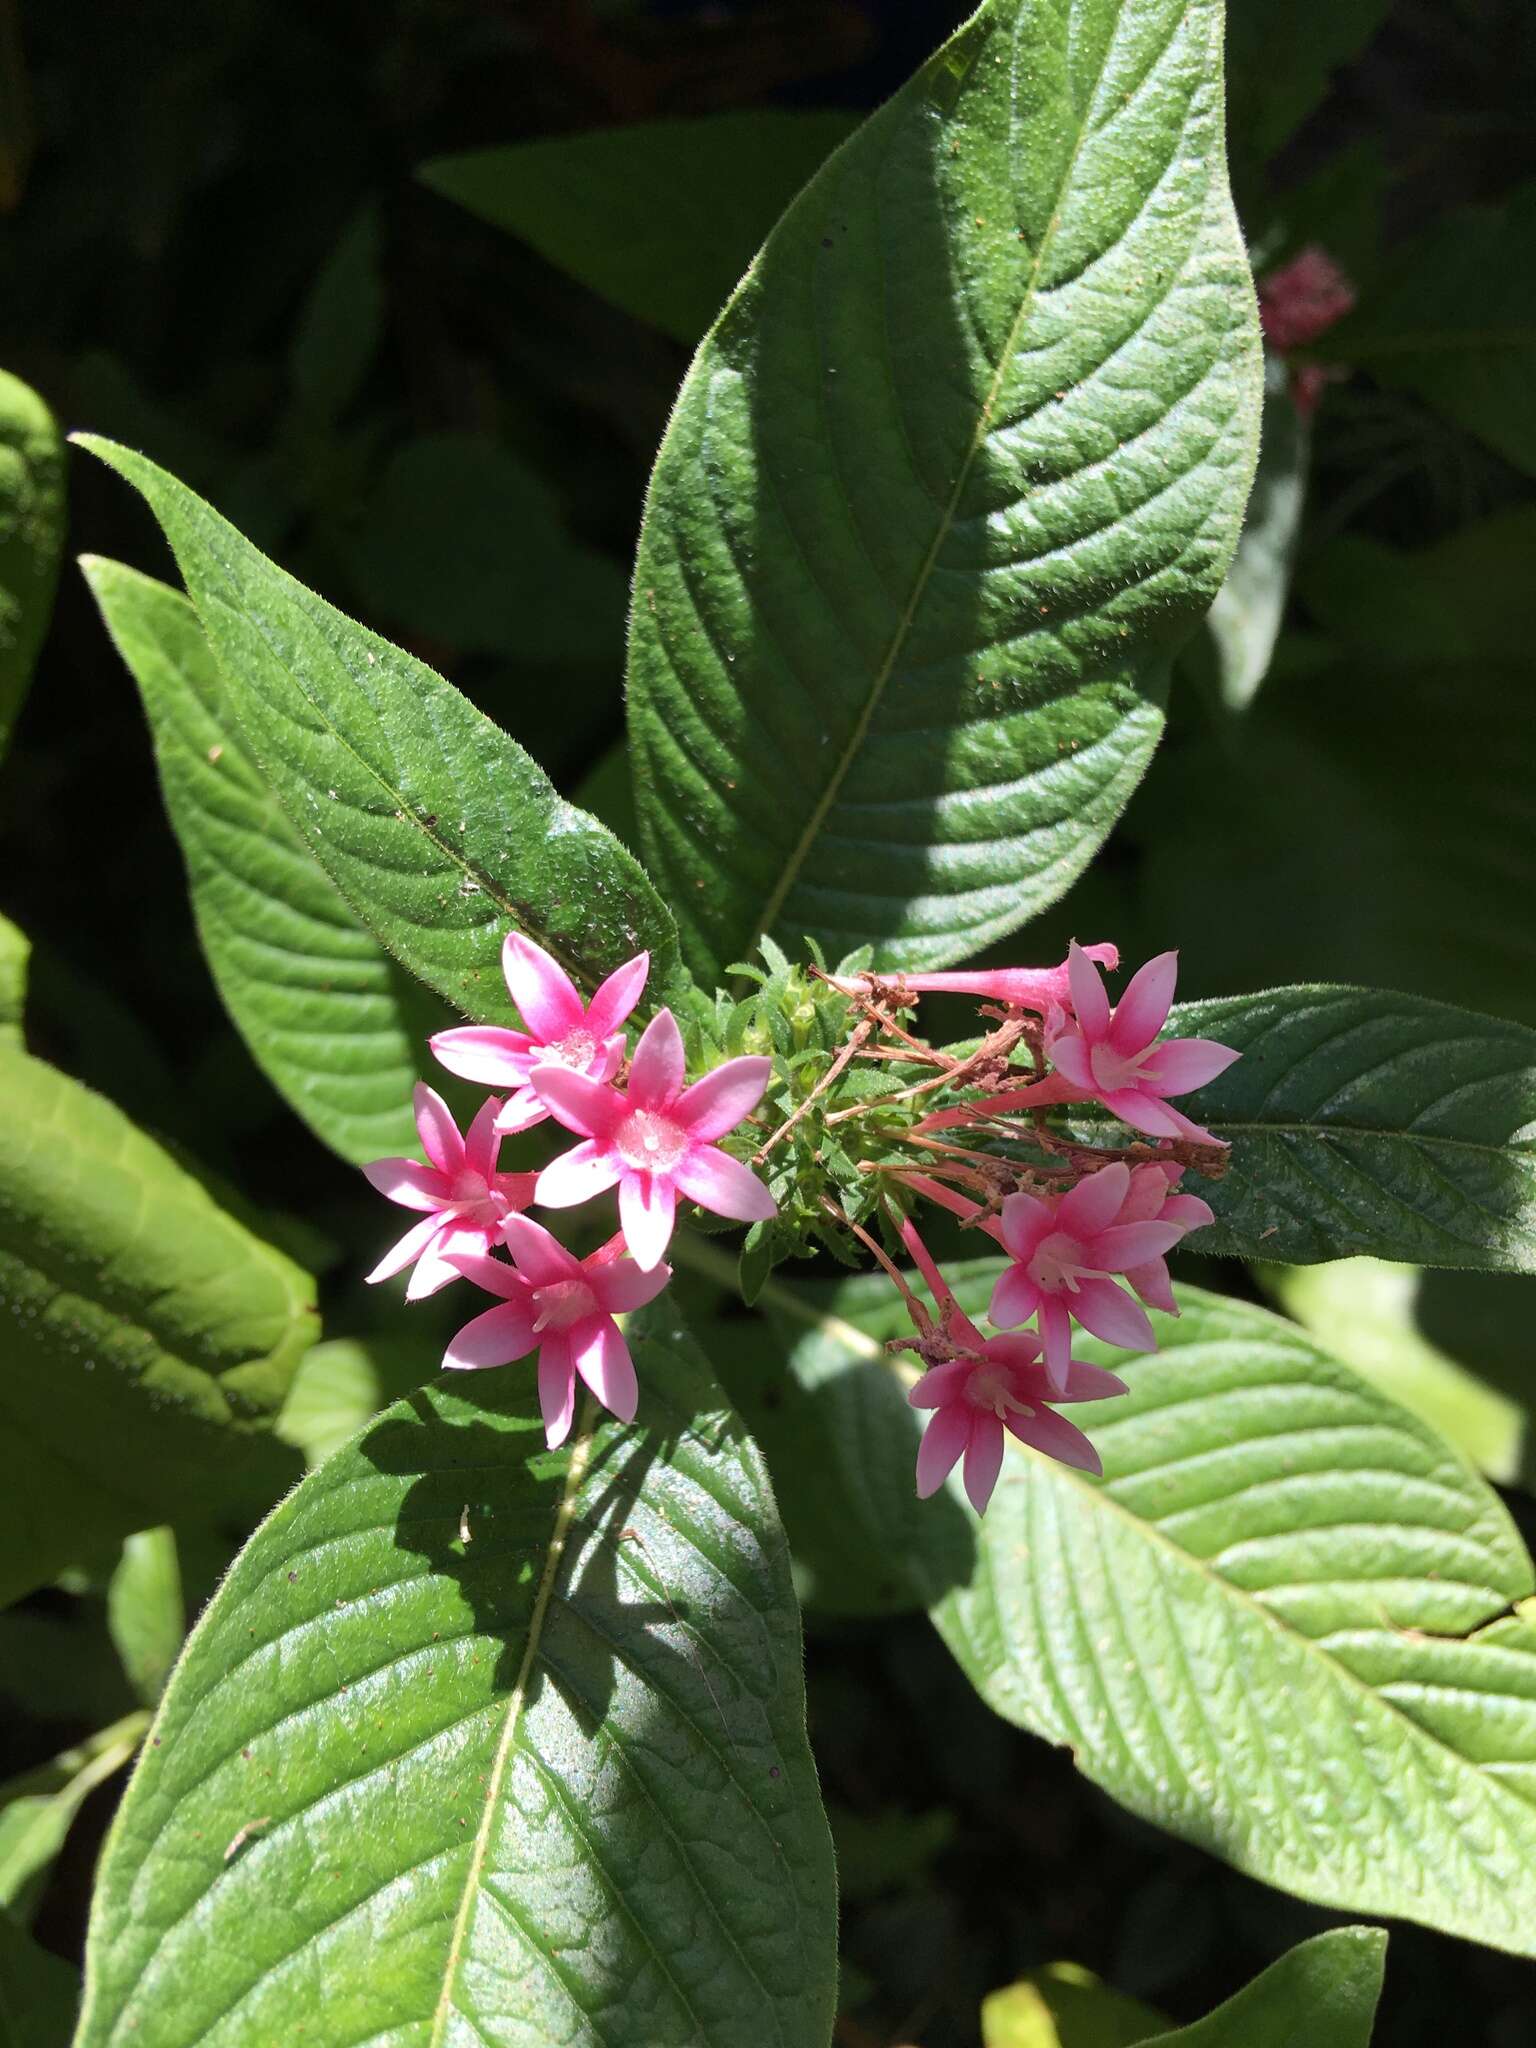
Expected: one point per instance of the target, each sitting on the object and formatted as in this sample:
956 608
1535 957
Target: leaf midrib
1525 1149
799 853
564 1515
864 1346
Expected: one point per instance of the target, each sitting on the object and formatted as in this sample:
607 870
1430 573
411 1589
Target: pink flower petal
494 1275
1142 1010
521 1111
657 1071
718 1103
515 1189
435 1270
1095 1202
1055 1327
1152 1283
539 1256
608 1058
407 1251
484 1053
440 1138
622 1287
1014 1299
408 1182
717 1182
1188 1211
557 1388
1180 1064
577 1101
1090 1383
1055 1437
1109 1312
1186 1127
983 1460
482 1141
1020 1352
647 1208
1025 1220
588 1169
1132 1244
494 1338
943 1441
602 1358
1070 1056
1143 1112
546 997
1089 1000
941 1384
617 996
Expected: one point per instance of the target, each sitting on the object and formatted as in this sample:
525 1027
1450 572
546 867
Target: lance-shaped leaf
1291 1624
1365 1121
439 830
1323 1992
480 1743
330 1017
150 1336
31 536
38 1808
960 465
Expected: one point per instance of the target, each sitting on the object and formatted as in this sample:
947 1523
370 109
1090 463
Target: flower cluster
866 1120
644 1132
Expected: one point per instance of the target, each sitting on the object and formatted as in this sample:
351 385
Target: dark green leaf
960 466
146 1613
1280 57
328 1015
38 1992
439 831
479 1742
1322 1994
1466 599
151 1336
31 537
1245 619
1363 1121
340 327
661 217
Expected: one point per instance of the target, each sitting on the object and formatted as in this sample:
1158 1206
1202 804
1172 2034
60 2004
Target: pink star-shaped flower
562 1030
564 1307
1152 1198
1115 1057
466 1199
655 1141
1064 1251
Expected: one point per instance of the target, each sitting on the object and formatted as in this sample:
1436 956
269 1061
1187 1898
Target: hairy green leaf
1323 1993
1290 1625
960 465
38 1992
329 1016
150 1338
661 217
438 829
31 537
1363 1121
480 1743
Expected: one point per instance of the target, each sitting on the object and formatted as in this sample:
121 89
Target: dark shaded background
174 272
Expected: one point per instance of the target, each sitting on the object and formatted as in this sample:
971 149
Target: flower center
1113 1070
562 1303
990 1388
1059 1263
475 1200
574 1050
650 1141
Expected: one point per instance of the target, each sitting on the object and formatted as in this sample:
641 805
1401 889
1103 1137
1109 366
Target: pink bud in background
1300 301
465 1198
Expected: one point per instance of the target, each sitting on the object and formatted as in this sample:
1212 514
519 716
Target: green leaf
1323 1993
958 469
489 1743
1291 1625
1364 1310
1456 323
146 1613
1466 599
661 217
31 537
1280 58
151 1336
1245 619
464 543
339 330
327 1014
38 1808
1363 1121
439 830
15 951
340 1385
38 1992
1064 2006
